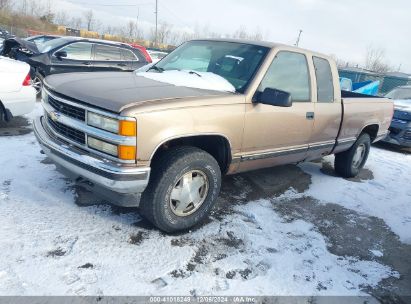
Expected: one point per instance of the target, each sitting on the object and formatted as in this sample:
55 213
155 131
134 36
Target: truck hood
116 91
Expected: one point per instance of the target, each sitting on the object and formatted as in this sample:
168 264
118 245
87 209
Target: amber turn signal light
127 152
128 128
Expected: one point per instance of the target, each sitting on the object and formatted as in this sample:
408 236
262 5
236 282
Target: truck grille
68 132
67 109
407 135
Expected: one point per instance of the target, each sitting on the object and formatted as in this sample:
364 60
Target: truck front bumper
90 169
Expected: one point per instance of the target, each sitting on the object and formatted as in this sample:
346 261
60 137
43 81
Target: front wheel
183 188
349 163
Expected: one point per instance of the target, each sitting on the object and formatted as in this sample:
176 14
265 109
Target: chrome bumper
80 164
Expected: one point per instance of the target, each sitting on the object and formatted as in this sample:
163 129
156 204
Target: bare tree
131 29
75 22
89 19
241 33
23 7
36 8
163 33
340 62
375 60
5 5
61 18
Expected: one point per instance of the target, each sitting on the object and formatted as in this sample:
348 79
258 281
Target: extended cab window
107 53
325 86
289 72
78 51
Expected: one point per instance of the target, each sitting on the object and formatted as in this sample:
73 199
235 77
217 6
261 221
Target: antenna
299 37
156 12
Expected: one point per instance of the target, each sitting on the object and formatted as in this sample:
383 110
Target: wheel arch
371 130
216 145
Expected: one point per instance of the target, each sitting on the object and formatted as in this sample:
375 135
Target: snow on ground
51 246
387 196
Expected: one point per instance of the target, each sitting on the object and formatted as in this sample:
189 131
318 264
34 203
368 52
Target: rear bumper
82 166
21 102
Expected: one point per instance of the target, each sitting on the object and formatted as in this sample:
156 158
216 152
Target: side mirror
60 54
274 97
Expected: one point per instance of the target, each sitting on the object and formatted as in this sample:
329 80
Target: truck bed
360 111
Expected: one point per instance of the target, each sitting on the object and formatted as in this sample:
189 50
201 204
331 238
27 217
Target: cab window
289 72
325 86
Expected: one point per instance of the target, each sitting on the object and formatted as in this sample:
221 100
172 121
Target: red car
143 51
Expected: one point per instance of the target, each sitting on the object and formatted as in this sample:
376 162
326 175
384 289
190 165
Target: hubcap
358 156
37 84
189 193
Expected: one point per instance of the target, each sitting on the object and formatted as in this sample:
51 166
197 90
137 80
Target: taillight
27 81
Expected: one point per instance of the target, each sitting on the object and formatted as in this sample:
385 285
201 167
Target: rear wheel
184 185
37 83
349 163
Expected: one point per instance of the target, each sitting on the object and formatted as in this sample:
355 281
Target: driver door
276 135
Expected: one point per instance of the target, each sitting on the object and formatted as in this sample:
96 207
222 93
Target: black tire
156 203
345 165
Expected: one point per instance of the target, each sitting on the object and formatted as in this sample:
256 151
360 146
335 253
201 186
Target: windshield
235 62
51 44
400 93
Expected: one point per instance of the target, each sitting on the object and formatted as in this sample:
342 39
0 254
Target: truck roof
268 44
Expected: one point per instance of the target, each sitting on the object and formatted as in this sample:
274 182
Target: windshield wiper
156 68
194 72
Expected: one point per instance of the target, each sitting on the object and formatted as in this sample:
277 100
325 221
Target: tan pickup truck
160 138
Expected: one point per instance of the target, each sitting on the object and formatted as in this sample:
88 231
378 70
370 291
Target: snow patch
191 79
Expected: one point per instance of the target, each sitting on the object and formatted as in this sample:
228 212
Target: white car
17 96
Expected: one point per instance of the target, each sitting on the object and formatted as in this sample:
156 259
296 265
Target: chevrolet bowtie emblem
54 116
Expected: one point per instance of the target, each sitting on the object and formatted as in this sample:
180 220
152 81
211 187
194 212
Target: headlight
102 146
122 152
103 122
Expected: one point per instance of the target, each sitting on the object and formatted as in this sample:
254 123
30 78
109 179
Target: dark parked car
42 38
4 34
400 129
73 54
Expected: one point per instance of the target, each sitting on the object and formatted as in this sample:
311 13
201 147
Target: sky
341 28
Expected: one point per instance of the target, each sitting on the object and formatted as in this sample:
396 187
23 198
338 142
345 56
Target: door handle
87 63
310 115
122 64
